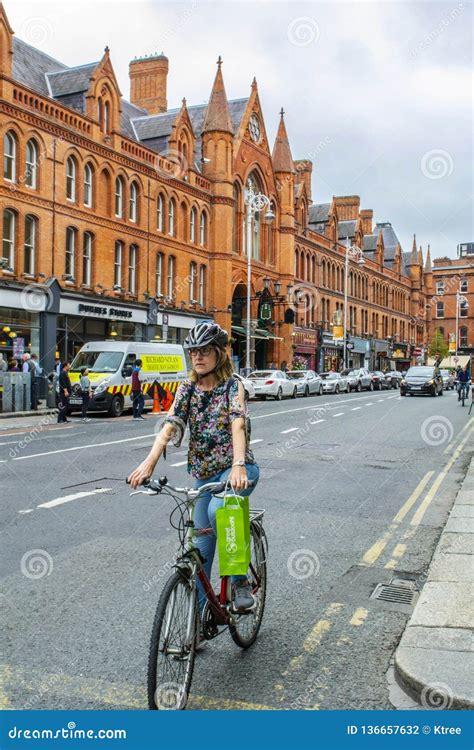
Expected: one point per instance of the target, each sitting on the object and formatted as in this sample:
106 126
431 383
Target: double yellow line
373 554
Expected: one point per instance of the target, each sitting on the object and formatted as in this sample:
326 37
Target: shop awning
239 330
463 360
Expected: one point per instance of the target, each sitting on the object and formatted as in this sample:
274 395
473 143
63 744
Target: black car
379 381
422 380
393 378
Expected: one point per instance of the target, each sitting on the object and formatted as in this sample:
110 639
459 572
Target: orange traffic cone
156 401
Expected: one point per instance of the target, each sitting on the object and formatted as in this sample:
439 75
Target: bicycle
463 392
177 623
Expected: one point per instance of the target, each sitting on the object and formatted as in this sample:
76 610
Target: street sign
455 359
265 311
350 345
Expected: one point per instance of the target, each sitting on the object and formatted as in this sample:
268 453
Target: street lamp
460 300
256 203
356 254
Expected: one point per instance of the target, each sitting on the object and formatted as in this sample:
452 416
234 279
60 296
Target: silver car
248 386
307 382
334 382
448 380
273 383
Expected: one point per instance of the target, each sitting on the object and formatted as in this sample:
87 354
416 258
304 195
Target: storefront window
19 333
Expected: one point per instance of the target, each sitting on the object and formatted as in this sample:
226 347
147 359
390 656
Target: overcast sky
377 94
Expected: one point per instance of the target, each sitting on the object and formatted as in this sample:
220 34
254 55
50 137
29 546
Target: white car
307 382
274 383
248 386
334 382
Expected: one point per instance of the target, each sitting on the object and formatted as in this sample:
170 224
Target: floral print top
210 418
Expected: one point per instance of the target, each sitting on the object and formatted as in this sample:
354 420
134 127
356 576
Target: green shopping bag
233 535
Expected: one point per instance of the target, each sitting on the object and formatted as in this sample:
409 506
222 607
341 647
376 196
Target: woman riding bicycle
212 403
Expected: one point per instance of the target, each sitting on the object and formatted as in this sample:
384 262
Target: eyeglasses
204 350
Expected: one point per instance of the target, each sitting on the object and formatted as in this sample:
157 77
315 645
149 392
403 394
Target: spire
420 257
414 253
428 266
217 114
3 16
281 156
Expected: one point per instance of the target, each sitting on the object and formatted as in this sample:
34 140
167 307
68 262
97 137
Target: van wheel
116 407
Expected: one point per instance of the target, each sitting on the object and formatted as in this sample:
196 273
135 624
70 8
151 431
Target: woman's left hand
238 478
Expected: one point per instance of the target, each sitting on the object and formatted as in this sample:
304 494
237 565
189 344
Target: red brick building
119 212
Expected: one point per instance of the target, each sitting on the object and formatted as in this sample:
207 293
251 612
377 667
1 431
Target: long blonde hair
223 370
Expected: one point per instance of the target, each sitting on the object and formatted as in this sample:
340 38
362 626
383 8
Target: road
356 488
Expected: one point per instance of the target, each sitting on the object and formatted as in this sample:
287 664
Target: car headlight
430 382
101 387
403 381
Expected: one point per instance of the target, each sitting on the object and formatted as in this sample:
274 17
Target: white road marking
318 421
339 414
10 442
51 429
380 400
356 408
29 510
371 404
292 429
257 440
83 447
180 463
76 496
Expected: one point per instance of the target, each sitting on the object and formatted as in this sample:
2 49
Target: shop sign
338 332
111 312
306 338
398 354
18 347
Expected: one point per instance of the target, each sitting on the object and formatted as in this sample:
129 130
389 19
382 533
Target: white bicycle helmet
204 334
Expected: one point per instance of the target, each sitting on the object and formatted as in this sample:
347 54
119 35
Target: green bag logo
231 545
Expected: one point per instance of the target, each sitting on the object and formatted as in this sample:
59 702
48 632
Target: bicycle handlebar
157 487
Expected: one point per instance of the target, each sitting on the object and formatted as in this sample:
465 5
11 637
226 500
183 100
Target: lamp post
356 253
255 202
460 300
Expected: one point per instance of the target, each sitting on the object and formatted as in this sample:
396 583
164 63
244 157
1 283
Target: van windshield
97 361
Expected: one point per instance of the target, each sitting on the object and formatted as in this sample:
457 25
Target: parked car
358 379
248 386
448 379
307 382
422 380
274 383
378 380
334 382
393 378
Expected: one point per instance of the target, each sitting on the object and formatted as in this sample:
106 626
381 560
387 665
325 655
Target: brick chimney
366 216
304 171
347 207
148 83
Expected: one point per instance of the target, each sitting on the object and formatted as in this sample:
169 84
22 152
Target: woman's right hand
142 472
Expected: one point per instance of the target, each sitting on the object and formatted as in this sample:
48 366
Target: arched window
159 274
29 254
192 226
171 217
236 220
8 245
31 173
70 253
119 197
202 286
132 269
254 182
160 213
9 157
106 117
71 173
100 113
463 336
87 259
118 258
170 278
134 202
203 229
88 186
192 281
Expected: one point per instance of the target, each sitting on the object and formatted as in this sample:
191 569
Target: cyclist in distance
464 380
212 403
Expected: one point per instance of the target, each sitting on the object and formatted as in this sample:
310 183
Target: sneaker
243 597
140 417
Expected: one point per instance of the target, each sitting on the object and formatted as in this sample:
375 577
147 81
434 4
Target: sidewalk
33 413
434 661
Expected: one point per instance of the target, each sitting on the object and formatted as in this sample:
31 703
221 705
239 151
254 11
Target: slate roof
346 229
390 239
71 81
30 66
318 213
370 242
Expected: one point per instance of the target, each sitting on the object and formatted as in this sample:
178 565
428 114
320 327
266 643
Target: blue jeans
205 517
138 403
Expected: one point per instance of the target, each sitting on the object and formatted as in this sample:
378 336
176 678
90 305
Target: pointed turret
217 114
428 266
414 252
420 257
281 156
6 43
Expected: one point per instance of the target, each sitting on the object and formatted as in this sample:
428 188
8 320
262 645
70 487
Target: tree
438 347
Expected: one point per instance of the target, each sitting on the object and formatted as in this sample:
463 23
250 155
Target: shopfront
330 353
381 355
401 358
19 324
305 344
358 352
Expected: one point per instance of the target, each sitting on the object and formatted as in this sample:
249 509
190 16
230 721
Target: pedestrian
29 367
13 365
57 366
86 392
284 366
137 393
64 393
3 364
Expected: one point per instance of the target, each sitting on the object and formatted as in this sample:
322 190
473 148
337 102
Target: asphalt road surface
357 489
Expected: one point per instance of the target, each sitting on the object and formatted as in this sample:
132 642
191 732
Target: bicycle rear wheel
245 628
463 395
173 645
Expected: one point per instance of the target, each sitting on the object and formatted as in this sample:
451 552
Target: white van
110 365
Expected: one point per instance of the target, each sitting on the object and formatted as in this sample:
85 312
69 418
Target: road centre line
180 463
315 407
257 440
75 496
370 404
291 429
340 414
356 408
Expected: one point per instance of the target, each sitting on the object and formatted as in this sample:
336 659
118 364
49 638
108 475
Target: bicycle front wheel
245 628
173 645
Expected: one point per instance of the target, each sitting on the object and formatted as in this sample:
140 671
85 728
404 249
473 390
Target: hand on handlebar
141 473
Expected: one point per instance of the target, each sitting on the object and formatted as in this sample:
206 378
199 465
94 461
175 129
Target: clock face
254 128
